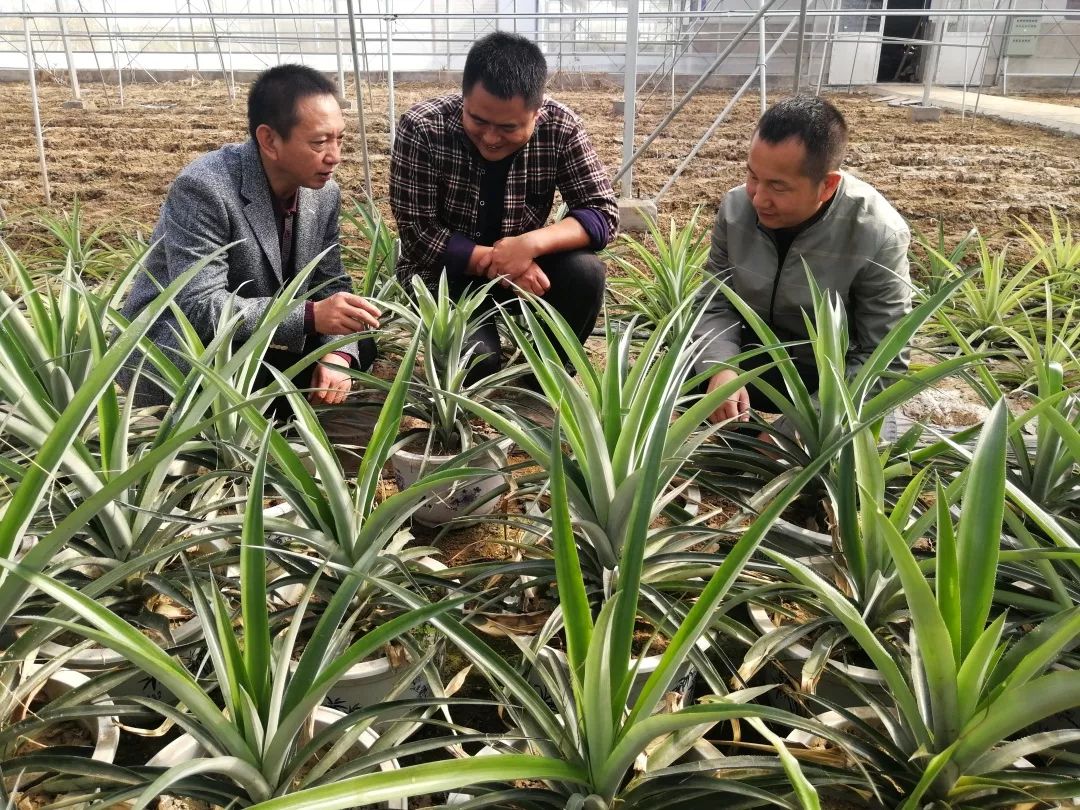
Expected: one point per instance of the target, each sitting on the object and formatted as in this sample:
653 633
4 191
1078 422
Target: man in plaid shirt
472 183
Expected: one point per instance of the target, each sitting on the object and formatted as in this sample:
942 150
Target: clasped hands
511 259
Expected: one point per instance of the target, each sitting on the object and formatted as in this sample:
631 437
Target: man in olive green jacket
797 206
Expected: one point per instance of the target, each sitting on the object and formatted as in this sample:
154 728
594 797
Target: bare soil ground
120 160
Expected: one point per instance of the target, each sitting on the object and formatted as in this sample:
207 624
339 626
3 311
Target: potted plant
46 696
658 278
447 437
959 685
253 745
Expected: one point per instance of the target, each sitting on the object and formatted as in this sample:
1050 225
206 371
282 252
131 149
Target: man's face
310 154
781 194
497 127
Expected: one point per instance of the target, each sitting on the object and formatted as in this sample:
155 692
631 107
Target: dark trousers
577 293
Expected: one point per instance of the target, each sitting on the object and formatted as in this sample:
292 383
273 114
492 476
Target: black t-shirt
493 174
784 237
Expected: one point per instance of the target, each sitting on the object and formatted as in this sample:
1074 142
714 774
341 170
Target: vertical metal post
562 36
72 73
629 96
295 9
930 66
446 30
37 112
359 101
797 80
337 49
826 54
674 62
986 56
93 50
226 76
390 73
232 73
115 54
761 61
967 36
367 67
194 42
179 27
277 41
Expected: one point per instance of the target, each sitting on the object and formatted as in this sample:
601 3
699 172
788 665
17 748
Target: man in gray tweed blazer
273 196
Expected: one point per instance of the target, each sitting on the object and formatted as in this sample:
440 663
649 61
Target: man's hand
479 261
534 280
512 257
737 406
330 385
344 313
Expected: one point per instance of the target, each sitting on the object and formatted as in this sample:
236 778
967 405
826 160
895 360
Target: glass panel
858 23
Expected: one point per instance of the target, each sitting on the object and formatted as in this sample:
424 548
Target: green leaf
979 534
424 779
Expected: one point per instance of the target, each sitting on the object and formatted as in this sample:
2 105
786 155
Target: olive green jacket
858 250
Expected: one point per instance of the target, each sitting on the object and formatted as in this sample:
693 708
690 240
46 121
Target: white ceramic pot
186 748
369 682
98 659
105 730
455 500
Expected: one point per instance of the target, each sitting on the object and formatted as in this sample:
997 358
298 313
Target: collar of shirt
283 208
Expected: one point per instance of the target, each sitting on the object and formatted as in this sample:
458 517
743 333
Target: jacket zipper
779 271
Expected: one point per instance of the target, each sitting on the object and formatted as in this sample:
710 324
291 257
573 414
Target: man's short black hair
508 65
273 97
815 122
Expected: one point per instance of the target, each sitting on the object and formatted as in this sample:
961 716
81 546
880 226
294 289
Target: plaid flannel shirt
435 181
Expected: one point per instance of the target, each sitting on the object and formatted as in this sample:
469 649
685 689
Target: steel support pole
391 113
115 58
367 67
796 82
826 54
93 50
761 62
194 42
930 68
721 117
337 49
73 74
629 96
295 9
963 95
226 75
277 40
739 37
37 112
986 58
359 101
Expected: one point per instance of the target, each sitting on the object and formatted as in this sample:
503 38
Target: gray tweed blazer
223 197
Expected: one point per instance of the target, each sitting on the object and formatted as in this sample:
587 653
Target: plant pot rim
502 445
186 748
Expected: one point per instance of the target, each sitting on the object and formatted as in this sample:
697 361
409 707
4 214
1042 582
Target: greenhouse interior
526 404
